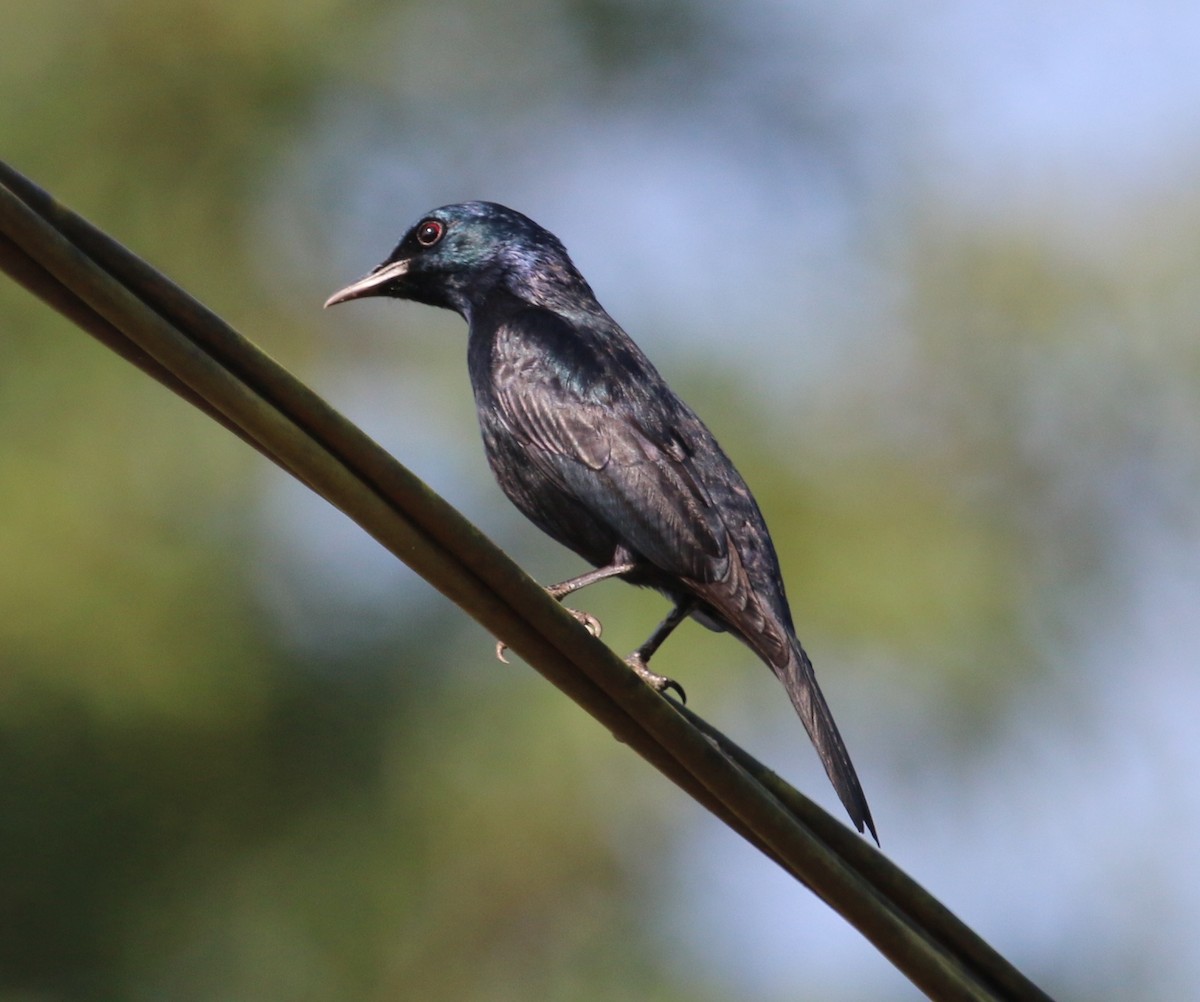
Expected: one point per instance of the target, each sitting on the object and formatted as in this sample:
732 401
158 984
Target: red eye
429 232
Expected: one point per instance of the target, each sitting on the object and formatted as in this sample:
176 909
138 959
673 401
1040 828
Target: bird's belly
546 504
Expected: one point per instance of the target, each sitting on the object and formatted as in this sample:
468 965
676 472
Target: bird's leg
639 660
564 588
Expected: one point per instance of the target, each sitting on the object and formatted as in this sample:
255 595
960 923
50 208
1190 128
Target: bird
589 442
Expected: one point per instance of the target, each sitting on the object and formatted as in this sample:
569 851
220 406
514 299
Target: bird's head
456 256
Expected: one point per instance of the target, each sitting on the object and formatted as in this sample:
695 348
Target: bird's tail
800 682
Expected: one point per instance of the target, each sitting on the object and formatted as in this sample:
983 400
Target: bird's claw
657 682
588 621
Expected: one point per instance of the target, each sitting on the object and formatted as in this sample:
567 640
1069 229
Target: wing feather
640 481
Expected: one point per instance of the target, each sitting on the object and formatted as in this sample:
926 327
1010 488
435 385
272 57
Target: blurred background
931 274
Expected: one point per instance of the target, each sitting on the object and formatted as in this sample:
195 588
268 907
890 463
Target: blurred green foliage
192 808
196 805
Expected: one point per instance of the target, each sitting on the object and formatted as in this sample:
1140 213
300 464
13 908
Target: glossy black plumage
589 442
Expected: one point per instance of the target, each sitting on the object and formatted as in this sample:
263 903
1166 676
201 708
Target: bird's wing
646 485
630 466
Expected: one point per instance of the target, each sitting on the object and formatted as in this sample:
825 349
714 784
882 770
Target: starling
589 442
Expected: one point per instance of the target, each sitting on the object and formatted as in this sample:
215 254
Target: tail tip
863 818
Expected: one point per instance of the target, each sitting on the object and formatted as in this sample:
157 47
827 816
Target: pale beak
370 285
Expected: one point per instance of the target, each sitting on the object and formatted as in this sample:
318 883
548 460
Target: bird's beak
371 284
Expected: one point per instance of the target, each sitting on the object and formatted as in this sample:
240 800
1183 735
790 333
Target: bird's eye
429 232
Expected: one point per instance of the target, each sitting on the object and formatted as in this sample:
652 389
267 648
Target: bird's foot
659 683
590 623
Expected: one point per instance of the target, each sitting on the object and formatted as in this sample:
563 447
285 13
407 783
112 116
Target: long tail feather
800 682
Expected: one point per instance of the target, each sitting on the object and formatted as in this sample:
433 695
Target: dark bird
589 442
